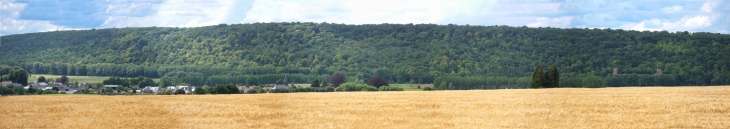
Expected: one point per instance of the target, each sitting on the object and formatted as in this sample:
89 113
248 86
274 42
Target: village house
5 83
15 85
187 89
60 87
83 85
243 89
150 90
72 91
39 85
170 89
111 86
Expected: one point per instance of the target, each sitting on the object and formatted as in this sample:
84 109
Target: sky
28 16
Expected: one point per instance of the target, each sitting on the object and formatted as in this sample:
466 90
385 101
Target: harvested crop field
643 107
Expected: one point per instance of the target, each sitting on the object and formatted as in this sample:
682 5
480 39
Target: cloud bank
27 16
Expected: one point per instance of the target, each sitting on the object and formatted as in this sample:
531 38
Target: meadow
406 87
629 107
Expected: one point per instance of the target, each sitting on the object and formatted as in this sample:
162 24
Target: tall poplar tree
538 78
552 77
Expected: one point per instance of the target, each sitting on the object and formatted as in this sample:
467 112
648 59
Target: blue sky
27 16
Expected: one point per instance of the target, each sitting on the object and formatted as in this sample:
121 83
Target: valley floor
631 107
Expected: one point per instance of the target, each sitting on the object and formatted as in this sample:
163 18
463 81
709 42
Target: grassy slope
634 107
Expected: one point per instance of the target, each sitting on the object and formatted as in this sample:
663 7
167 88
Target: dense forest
399 53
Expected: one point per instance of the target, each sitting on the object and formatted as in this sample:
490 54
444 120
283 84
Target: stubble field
646 107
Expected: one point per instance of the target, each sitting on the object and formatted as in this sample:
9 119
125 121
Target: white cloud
9 23
182 13
129 9
554 22
410 11
686 23
363 12
690 15
707 7
672 9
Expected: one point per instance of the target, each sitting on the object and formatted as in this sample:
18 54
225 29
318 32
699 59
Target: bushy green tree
63 79
165 81
31 90
315 83
19 76
5 91
179 92
427 89
49 91
20 91
442 86
592 82
207 89
221 89
232 89
355 87
41 79
199 91
146 82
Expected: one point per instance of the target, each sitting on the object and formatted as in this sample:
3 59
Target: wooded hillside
400 53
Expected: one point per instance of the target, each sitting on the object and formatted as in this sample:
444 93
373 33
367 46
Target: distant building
40 85
171 89
187 89
5 83
615 71
111 86
659 71
83 85
243 89
282 86
151 90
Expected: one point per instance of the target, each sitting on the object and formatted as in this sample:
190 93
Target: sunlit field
645 107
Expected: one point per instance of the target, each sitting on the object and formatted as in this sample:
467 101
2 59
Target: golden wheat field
646 107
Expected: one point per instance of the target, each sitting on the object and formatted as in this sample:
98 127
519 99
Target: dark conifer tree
537 78
552 78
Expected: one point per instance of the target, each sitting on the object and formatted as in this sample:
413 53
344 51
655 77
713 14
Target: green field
406 87
80 79
409 87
